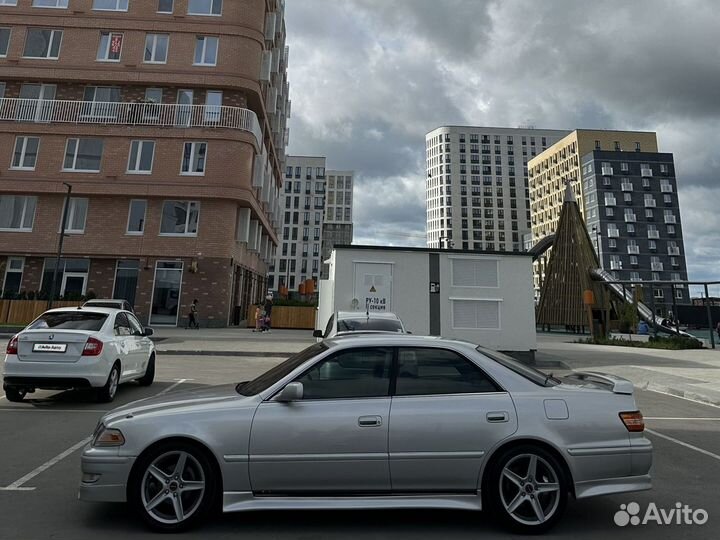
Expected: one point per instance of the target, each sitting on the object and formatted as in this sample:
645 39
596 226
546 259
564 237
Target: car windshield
267 379
530 373
69 320
359 325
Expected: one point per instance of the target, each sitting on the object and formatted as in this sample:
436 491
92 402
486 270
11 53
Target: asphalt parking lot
42 437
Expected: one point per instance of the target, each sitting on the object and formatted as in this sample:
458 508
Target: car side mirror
318 333
292 392
147 332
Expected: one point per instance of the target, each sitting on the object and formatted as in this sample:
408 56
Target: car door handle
367 421
497 416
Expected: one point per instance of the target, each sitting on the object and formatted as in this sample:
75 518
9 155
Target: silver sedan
375 421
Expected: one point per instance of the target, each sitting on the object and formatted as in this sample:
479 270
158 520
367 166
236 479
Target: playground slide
627 296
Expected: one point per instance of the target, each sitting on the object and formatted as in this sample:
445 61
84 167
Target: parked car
79 348
110 303
375 421
344 322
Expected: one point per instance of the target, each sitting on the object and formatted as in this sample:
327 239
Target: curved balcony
51 111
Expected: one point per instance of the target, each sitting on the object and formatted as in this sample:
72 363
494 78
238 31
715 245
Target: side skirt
239 501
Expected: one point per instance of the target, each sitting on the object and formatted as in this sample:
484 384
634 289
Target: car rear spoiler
618 385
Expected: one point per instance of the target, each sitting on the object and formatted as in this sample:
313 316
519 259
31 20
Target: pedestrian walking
193 320
268 312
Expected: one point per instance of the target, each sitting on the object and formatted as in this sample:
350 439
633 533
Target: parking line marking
178 383
681 418
16 485
682 397
681 443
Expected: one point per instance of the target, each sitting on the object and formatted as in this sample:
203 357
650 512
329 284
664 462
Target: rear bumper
56 375
608 486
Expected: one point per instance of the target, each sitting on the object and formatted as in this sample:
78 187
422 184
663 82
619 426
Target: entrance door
166 293
36 104
334 439
73 283
183 116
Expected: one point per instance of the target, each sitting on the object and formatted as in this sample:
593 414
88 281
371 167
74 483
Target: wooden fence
22 312
298 317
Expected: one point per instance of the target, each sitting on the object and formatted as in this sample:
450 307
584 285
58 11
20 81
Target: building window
206 50
180 218
165 6
679 293
43 43
110 5
25 155
213 104
72 275
8 2
110 47
194 155
4 41
126 278
205 7
141 156
17 213
13 275
83 155
156 48
61 4
76 216
658 293
136 217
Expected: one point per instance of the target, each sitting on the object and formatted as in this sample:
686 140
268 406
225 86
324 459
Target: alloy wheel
114 378
173 487
529 489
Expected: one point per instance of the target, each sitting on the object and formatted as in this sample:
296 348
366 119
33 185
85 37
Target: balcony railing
646 173
653 234
673 250
607 171
650 203
656 267
129 114
633 249
613 233
666 188
626 186
630 218
670 219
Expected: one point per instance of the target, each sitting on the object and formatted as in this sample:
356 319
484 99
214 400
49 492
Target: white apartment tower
476 189
316 210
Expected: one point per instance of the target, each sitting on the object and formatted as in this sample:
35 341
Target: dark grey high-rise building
632 211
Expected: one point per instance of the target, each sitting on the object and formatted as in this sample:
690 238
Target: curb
677 392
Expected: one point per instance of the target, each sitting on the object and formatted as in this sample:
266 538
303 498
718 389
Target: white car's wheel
149 376
173 486
107 393
527 489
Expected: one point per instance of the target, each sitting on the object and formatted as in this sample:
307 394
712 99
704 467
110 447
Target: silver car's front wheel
528 488
173 486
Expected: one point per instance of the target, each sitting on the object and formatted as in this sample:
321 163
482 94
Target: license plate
50 347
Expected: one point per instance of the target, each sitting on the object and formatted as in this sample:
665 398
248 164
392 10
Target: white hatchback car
79 348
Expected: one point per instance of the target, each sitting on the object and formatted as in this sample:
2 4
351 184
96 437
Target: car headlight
105 437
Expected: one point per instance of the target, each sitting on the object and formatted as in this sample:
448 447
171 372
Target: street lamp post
596 230
63 226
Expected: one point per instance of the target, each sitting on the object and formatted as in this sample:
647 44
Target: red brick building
168 119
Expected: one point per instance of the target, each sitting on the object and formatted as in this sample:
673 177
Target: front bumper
104 477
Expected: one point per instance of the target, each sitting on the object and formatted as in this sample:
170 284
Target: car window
135 326
99 303
329 326
270 377
423 371
354 373
122 326
530 373
359 325
69 320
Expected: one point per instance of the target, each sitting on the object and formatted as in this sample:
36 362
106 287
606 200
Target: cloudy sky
370 77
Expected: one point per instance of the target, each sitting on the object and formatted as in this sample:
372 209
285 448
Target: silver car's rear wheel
527 488
173 487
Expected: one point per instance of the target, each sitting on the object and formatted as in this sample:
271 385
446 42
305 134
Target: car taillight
12 346
93 347
633 420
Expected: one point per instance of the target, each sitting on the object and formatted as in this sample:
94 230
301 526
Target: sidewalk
231 342
692 374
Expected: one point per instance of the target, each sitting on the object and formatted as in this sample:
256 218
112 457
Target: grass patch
668 343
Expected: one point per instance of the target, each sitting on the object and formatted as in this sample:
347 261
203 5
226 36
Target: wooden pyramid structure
568 273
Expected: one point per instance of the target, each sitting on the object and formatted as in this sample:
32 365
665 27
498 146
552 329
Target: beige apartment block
560 163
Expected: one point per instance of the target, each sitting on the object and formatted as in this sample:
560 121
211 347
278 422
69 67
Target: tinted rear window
359 325
70 320
116 305
530 373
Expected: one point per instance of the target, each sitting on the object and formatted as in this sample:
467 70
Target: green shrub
660 342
